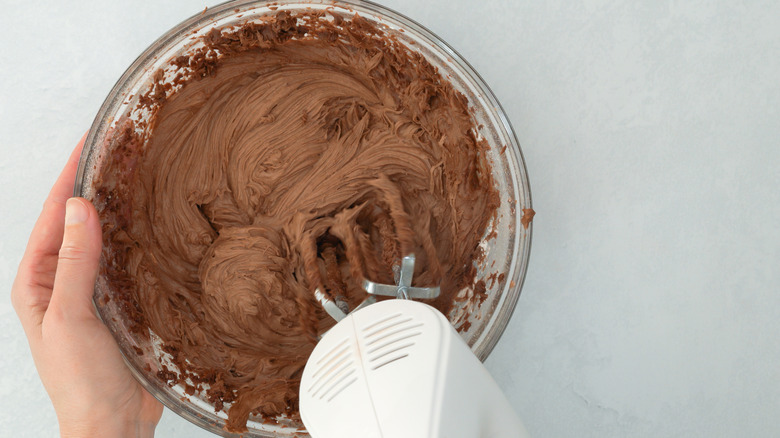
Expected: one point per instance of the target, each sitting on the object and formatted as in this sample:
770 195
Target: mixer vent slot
390 340
335 372
388 361
338 384
381 321
342 387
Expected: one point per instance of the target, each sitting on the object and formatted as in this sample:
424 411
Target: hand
78 360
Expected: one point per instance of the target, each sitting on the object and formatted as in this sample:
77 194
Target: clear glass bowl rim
178 32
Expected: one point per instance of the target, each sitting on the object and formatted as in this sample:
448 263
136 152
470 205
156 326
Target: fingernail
75 212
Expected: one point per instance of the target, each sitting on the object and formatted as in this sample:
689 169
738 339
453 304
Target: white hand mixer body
397 369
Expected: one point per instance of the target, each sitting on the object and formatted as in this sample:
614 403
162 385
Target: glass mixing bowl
506 249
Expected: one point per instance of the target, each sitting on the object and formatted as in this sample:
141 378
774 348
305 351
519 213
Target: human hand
78 361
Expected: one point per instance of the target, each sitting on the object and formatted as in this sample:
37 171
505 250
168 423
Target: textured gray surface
651 135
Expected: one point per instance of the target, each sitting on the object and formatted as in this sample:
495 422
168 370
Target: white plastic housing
398 369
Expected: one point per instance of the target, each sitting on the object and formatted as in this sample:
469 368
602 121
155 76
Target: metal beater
403 289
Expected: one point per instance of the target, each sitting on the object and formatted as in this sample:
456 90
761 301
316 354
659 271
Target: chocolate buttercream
300 152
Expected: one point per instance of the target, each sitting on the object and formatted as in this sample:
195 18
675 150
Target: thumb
77 266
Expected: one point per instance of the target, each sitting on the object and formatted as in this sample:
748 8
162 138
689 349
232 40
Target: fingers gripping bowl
217 228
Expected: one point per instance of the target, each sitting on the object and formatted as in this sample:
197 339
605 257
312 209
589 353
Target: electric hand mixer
397 368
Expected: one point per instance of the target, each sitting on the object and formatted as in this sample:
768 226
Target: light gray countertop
651 132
